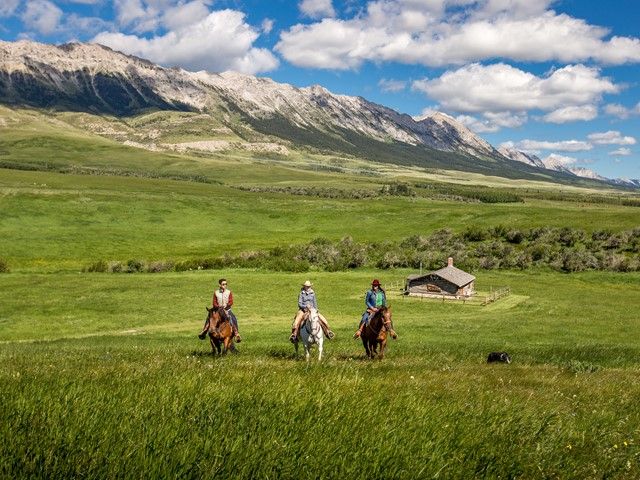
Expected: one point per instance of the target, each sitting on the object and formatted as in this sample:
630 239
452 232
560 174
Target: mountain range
95 79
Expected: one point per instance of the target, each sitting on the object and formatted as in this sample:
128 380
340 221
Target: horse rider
374 299
307 299
222 297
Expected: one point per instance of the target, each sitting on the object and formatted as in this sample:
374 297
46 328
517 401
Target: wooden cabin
446 281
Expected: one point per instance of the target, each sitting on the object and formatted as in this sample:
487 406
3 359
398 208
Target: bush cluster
130 266
562 249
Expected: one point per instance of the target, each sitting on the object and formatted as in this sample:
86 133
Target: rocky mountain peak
523 157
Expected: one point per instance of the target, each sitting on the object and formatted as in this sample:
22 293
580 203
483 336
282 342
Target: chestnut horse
220 331
375 333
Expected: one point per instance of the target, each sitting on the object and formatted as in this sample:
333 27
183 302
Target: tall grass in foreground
123 408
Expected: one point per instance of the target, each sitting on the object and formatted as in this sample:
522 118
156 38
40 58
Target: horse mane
223 314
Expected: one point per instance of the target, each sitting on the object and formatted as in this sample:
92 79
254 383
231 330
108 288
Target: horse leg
227 345
367 348
320 344
307 350
383 344
213 345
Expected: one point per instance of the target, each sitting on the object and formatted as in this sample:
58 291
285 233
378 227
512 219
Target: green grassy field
52 222
102 375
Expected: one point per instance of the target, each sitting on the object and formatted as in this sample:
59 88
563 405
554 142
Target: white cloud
503 88
148 15
220 41
612 137
572 114
317 8
8 7
621 152
183 15
42 16
76 24
617 110
267 25
389 85
477 125
620 111
429 33
534 146
492 122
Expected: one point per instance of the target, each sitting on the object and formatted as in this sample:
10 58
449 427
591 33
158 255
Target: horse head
216 316
387 322
312 315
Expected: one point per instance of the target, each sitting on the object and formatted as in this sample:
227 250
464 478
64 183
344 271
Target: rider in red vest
222 297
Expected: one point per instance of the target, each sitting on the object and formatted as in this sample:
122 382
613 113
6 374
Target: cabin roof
452 274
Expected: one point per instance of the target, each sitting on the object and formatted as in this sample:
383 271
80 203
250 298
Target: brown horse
375 333
220 331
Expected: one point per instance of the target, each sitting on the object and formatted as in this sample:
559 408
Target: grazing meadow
102 374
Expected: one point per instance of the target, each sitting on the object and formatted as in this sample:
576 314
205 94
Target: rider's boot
327 331
359 331
236 334
203 334
294 335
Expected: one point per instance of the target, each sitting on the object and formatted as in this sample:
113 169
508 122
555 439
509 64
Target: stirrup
293 338
330 334
238 339
357 334
202 335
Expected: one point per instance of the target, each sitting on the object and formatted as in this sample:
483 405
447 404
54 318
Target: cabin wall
436 285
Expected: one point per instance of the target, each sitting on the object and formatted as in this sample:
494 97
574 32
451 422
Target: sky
559 79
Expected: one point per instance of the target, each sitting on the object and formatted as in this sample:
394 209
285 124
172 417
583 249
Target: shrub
475 234
514 236
134 266
578 261
115 267
160 266
397 189
601 235
99 266
4 266
569 237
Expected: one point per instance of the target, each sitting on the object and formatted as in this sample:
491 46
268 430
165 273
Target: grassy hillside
52 221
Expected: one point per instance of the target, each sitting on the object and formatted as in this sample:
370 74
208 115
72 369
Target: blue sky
556 78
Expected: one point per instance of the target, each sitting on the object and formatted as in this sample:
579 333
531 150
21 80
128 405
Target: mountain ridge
97 79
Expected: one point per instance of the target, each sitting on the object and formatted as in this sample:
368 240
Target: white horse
310 333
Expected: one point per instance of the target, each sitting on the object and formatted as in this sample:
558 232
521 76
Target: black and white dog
502 357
